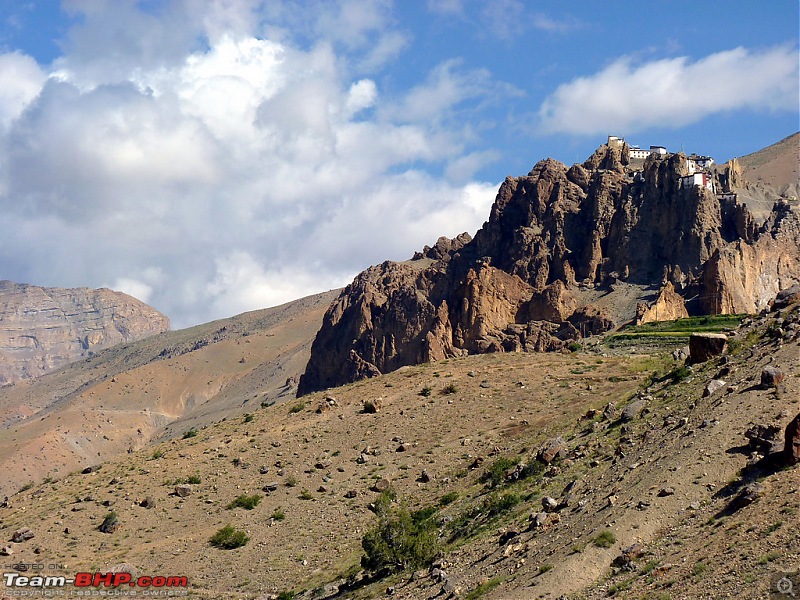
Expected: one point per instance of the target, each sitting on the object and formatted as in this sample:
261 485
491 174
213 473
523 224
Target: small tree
400 541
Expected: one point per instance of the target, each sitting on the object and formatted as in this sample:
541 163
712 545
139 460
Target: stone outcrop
556 240
669 306
791 449
704 346
45 328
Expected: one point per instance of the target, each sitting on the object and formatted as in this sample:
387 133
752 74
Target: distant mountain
777 166
567 252
42 329
122 398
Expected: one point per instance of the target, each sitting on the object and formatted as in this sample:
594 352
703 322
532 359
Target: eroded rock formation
45 328
556 240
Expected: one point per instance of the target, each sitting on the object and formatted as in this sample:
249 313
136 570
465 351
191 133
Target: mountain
567 252
42 329
125 397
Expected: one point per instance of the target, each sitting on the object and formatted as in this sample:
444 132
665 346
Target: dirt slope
319 468
122 398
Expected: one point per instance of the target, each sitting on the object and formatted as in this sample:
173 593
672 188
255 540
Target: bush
450 388
573 346
400 541
229 538
189 434
680 374
110 524
278 514
248 418
426 391
605 539
448 498
245 501
299 407
498 504
495 474
194 479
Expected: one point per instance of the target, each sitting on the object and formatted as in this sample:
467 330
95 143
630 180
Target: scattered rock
350 494
553 449
6 551
148 502
549 504
381 485
629 554
610 412
786 297
633 410
270 487
704 346
21 535
372 406
666 491
183 490
507 536
749 494
263 470
681 354
424 477
791 451
712 386
763 438
771 377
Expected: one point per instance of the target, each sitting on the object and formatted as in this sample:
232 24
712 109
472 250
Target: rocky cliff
45 328
544 270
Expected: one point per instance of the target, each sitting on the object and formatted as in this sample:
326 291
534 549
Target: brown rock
552 449
791 451
381 485
703 346
771 377
21 535
372 406
148 502
182 491
668 306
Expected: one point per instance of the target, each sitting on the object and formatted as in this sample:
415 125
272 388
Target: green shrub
306 495
700 568
605 539
189 434
248 418
229 538
450 388
299 407
194 479
278 514
399 542
680 374
157 453
245 501
573 346
497 504
426 391
495 474
448 498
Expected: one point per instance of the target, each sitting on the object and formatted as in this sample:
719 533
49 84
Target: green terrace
665 332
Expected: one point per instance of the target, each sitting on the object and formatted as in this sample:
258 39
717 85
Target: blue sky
216 156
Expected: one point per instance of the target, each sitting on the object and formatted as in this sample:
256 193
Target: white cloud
626 97
22 80
217 178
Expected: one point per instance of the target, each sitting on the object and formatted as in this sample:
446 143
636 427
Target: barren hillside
459 443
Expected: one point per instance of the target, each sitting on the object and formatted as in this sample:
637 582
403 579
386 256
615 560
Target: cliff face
555 237
42 329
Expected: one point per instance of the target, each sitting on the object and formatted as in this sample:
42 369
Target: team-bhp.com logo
93 580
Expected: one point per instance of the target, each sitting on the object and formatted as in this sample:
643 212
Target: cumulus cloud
232 171
627 96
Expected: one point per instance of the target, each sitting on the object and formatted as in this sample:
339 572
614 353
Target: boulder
786 297
704 346
372 406
21 535
549 504
148 502
381 485
552 449
749 494
712 386
771 377
633 410
183 490
791 451
763 438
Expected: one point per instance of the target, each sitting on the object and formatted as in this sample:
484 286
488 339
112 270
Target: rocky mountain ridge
560 243
42 329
